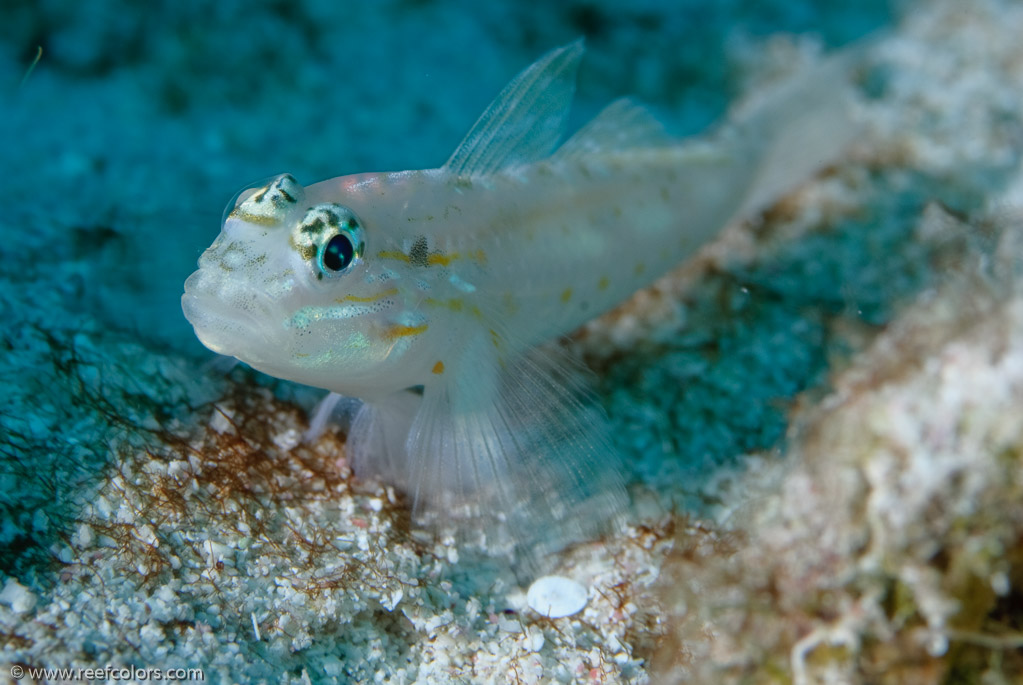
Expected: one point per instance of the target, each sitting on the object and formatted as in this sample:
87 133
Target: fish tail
799 127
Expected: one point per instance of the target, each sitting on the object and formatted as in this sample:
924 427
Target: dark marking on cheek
419 254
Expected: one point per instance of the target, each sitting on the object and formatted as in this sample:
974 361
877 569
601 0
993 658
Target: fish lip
222 328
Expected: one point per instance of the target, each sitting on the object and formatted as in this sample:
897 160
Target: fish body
544 247
432 295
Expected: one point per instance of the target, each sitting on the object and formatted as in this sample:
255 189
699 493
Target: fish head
288 288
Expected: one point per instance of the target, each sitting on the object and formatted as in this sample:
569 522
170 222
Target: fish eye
338 253
331 238
342 248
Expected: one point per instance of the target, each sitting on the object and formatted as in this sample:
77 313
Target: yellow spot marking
640 268
371 298
438 368
480 256
399 331
436 258
495 339
250 218
454 304
393 254
567 295
442 259
603 283
475 311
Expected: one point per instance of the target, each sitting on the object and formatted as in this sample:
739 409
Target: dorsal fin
526 120
621 125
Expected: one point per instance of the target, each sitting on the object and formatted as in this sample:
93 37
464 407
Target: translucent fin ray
529 468
321 416
526 120
621 125
376 440
797 128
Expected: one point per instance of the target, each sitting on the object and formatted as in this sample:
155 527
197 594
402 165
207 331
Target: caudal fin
798 128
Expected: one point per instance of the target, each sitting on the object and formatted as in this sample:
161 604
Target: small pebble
17 596
556 596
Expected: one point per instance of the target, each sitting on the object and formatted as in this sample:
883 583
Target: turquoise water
141 120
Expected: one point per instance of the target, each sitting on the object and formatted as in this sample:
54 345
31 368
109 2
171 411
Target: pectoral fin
527 464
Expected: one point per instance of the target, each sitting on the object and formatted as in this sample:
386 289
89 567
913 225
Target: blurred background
141 120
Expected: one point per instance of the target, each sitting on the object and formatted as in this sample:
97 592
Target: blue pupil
339 253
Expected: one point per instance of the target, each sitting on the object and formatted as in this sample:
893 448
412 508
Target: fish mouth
230 324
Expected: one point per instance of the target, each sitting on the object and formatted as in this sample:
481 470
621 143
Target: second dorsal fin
526 120
622 124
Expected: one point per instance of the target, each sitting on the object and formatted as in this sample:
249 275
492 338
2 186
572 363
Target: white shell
556 596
